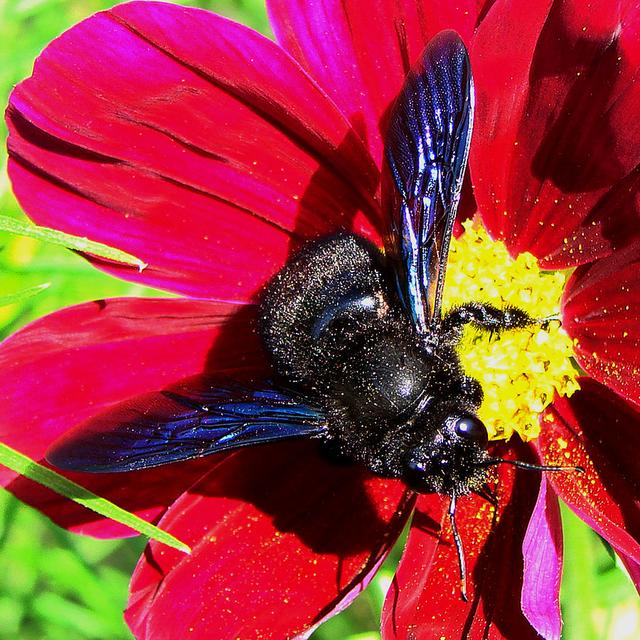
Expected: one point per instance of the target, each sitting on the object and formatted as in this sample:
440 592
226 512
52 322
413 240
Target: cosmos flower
212 153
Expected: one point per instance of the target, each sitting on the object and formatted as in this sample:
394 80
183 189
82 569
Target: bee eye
470 428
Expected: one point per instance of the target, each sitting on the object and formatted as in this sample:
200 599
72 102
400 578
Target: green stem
53 236
23 465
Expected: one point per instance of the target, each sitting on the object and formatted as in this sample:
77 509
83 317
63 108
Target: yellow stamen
519 370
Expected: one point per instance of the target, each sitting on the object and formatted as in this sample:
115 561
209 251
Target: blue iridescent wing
173 425
426 151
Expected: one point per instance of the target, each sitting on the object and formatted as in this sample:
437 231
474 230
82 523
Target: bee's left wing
426 151
172 425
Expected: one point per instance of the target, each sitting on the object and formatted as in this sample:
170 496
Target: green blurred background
55 585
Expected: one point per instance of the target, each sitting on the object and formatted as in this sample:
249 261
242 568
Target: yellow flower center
519 370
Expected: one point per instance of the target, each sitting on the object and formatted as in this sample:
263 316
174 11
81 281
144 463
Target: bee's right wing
172 425
426 151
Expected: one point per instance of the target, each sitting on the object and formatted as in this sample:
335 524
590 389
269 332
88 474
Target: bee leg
488 494
544 322
487 317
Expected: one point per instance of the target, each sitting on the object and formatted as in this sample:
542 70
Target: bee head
453 460
448 460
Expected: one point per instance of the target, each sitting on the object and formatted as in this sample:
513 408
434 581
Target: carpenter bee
364 359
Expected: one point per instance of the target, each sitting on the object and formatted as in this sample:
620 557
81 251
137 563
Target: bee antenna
526 465
459 549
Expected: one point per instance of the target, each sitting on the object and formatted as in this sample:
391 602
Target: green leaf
19 296
71 617
23 465
578 583
599 601
76 243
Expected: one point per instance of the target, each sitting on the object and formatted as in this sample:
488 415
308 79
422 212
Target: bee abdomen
318 307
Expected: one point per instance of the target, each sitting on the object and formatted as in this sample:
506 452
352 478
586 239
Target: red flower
211 153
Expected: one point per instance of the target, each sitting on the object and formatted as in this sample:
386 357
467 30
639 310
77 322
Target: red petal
601 312
599 431
279 539
360 57
424 600
555 152
188 140
71 365
634 570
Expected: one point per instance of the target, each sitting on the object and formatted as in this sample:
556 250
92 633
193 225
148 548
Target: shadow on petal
279 537
576 153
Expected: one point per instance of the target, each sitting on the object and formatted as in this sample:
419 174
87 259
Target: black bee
365 361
